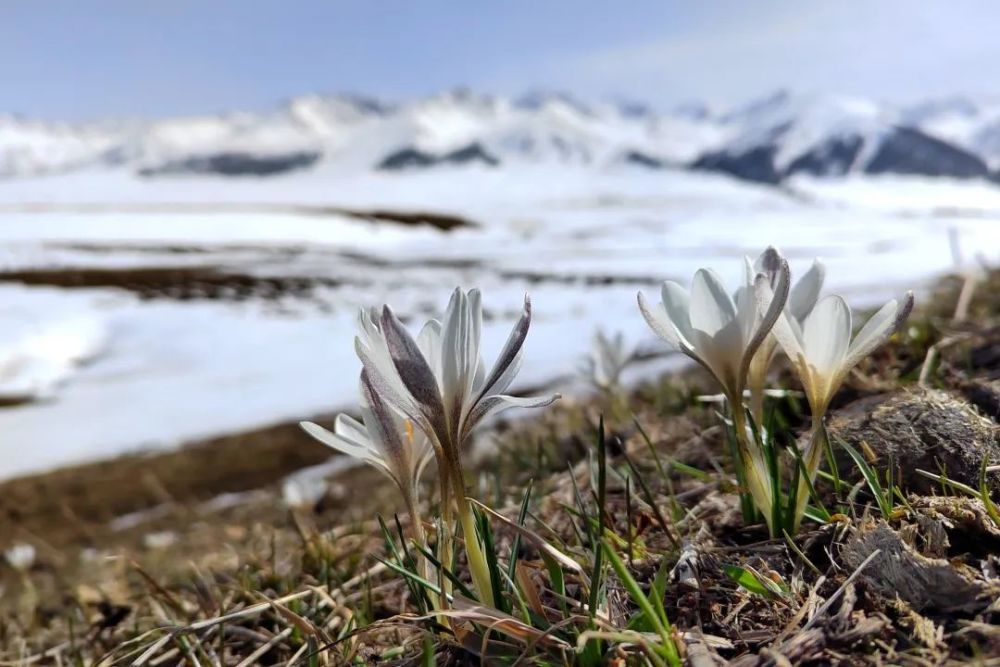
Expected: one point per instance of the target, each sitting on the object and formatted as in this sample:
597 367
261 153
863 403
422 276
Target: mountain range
767 140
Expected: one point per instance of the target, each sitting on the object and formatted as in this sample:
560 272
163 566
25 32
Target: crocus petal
746 302
507 377
429 342
658 321
772 309
677 303
509 353
362 452
671 322
350 428
768 263
497 403
805 293
371 340
460 338
786 330
414 373
385 378
827 335
473 359
877 330
711 307
384 431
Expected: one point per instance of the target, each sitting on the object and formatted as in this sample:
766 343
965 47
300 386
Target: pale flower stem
817 444
444 538
755 477
757 403
831 460
419 535
746 501
473 549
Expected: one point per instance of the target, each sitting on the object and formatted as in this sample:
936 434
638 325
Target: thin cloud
896 51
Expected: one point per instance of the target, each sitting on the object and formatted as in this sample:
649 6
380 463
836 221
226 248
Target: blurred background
197 198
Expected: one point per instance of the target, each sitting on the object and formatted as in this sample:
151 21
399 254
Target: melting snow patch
40 348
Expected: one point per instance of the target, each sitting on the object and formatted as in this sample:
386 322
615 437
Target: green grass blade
417 594
515 546
647 496
660 623
602 482
819 512
871 477
485 531
831 460
746 501
984 491
452 577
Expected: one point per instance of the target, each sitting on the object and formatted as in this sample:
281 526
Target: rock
924 583
235 164
756 164
833 158
641 159
909 151
924 429
474 152
985 395
406 158
413 158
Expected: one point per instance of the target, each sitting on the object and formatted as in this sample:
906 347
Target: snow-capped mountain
786 134
973 124
767 140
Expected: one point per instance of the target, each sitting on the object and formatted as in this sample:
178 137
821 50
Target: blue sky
71 59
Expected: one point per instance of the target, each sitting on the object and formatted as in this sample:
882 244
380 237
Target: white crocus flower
441 383
440 380
802 299
822 352
384 439
722 333
719 331
608 358
821 349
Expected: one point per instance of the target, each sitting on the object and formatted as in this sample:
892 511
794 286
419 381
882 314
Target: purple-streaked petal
383 430
385 378
414 373
509 353
770 264
497 403
770 303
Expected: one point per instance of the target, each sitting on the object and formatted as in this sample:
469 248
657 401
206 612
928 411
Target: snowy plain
111 372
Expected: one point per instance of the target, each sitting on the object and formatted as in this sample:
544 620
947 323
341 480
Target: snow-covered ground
113 372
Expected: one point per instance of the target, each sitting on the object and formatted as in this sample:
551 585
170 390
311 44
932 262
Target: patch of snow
43 341
580 241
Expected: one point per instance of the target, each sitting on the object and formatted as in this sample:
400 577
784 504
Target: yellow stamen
409 431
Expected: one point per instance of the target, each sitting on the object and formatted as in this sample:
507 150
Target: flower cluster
735 338
422 397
